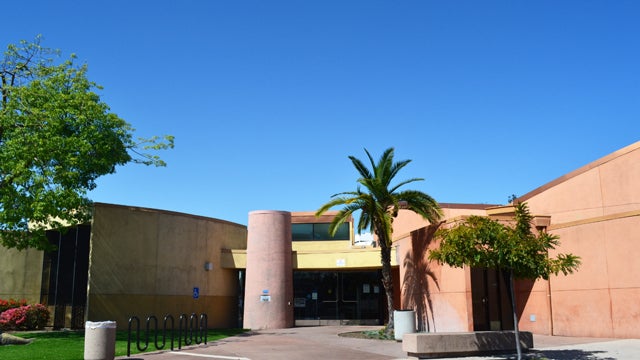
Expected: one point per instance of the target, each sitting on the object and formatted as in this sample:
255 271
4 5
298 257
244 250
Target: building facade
595 211
131 261
136 261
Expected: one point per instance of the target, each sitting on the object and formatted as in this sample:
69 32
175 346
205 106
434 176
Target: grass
69 345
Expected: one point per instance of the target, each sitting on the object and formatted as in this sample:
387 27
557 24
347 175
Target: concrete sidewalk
323 343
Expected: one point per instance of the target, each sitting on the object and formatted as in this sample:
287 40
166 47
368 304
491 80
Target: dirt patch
371 335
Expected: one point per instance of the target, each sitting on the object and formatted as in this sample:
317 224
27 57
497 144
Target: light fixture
208 266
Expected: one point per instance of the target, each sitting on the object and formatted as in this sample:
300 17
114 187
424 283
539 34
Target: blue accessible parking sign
196 292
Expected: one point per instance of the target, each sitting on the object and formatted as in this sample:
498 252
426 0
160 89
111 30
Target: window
320 231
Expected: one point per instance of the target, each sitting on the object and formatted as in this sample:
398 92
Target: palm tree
379 205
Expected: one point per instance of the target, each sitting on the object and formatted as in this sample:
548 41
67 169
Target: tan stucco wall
595 211
145 262
20 274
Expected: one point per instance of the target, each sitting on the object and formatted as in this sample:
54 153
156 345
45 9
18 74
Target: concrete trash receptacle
405 323
100 340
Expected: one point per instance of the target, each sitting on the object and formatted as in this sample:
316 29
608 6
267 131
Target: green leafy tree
56 138
378 205
515 251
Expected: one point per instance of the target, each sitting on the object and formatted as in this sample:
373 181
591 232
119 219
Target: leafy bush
27 317
11 304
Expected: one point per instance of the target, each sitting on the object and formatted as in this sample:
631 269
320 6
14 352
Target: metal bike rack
190 329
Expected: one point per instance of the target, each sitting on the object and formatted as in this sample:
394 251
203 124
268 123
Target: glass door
331 295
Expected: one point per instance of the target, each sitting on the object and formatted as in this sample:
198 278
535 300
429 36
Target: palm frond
362 169
405 182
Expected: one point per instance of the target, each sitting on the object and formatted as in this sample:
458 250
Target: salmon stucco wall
595 211
533 304
437 293
148 262
268 302
440 294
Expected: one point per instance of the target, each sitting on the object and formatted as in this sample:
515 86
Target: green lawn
69 345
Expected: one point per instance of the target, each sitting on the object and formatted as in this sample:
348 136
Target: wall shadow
417 278
570 354
522 289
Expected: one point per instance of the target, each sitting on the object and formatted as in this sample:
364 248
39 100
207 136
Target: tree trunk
509 278
387 282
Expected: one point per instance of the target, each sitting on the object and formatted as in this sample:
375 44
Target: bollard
100 340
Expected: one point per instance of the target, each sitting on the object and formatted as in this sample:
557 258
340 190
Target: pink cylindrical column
269 283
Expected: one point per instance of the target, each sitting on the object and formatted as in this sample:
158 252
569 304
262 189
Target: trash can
100 340
404 323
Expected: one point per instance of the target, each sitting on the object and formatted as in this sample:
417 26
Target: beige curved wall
269 281
147 262
20 274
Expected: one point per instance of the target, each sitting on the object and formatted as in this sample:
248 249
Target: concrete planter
404 323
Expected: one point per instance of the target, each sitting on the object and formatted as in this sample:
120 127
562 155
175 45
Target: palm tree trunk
387 282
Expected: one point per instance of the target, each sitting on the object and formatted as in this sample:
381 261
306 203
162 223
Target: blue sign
196 292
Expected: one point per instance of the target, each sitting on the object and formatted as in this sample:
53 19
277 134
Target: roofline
614 155
467 206
167 212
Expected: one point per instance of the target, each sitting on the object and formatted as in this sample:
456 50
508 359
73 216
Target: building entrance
346 297
65 276
490 301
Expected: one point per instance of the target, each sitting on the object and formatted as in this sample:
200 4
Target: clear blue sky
267 99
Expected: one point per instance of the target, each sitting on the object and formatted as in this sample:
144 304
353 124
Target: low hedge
19 316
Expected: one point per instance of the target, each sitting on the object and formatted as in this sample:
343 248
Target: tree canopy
378 205
56 138
515 251
483 242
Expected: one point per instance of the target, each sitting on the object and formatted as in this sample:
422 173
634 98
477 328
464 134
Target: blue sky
267 99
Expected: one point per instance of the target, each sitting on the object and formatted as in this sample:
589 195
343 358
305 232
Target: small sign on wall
196 292
265 298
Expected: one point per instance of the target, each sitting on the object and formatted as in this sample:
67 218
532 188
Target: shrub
27 317
11 304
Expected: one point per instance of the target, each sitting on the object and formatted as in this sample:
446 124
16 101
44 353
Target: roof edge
603 160
167 212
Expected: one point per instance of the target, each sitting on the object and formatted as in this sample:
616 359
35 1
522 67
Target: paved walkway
323 342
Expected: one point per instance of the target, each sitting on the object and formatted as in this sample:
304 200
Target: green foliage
483 242
381 201
56 138
381 334
378 206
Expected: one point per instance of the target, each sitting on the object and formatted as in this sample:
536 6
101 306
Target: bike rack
193 329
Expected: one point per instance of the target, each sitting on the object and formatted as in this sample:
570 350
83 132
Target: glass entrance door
329 295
